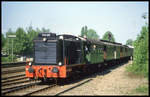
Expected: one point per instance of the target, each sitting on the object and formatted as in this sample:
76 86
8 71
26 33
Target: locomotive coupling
55 70
31 70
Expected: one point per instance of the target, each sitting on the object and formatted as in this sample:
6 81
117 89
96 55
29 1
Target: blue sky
123 19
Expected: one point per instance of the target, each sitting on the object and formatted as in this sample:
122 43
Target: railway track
13 70
40 90
18 81
11 79
38 87
8 68
13 89
27 89
14 76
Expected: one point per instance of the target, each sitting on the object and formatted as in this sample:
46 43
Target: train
60 56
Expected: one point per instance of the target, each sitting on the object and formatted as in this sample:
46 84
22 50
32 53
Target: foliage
92 34
20 42
108 36
8 41
89 33
142 89
23 43
3 40
9 58
129 42
140 63
31 35
44 30
84 31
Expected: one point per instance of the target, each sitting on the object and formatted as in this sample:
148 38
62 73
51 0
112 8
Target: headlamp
44 39
77 39
61 37
30 63
59 63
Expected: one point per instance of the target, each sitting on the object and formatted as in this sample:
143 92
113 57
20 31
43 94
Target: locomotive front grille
45 53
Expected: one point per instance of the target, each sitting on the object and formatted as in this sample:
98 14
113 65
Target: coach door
105 52
73 52
121 52
115 52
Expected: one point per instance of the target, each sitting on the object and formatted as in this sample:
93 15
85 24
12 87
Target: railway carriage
60 56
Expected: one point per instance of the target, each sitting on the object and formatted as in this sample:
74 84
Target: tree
144 15
108 36
84 31
140 63
129 42
31 34
44 30
92 34
3 39
89 33
21 42
140 55
7 45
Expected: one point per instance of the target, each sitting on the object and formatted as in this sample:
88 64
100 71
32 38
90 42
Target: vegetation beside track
140 55
139 67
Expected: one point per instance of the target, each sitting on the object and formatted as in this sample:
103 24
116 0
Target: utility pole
12 36
12 50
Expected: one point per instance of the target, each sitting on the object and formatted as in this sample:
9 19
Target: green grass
142 89
138 69
9 58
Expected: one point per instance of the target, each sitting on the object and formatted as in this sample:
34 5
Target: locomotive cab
52 55
48 58
48 50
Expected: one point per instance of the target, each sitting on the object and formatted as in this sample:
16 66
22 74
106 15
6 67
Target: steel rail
47 87
18 82
5 78
14 79
12 89
13 71
12 64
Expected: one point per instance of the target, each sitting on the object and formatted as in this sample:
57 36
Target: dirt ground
114 81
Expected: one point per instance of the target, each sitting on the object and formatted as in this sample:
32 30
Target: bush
9 58
140 55
142 89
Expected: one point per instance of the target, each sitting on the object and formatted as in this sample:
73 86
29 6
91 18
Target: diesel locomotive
59 56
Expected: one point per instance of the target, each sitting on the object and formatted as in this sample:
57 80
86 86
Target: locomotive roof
94 41
70 36
104 42
110 43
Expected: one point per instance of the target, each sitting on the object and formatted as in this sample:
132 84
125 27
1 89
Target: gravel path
110 82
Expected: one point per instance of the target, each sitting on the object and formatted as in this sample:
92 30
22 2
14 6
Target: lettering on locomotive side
45 34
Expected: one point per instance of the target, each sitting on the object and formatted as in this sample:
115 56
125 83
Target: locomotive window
114 48
105 48
126 49
45 53
120 49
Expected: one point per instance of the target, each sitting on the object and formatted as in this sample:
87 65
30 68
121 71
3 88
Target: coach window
120 49
105 48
